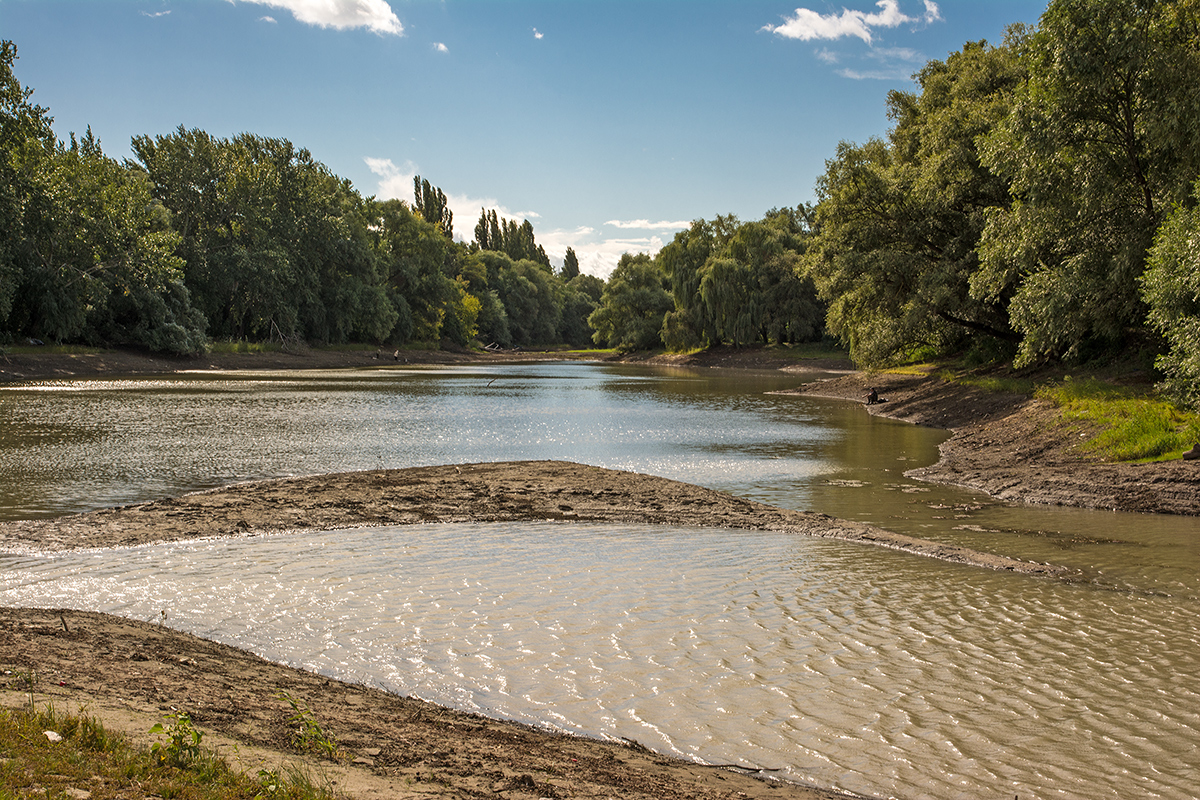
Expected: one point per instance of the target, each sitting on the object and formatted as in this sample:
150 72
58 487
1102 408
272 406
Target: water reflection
844 665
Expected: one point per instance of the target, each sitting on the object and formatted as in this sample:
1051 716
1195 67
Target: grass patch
44 753
243 346
809 350
49 349
1133 424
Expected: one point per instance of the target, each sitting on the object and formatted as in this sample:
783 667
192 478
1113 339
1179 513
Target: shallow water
845 665
838 664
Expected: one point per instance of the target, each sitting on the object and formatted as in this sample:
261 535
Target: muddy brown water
845 666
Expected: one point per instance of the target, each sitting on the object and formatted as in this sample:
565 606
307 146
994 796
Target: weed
308 736
28 679
84 758
183 745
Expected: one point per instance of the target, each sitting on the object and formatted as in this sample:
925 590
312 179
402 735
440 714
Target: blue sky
609 124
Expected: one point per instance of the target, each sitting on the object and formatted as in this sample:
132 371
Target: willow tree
633 305
898 219
1103 140
1171 289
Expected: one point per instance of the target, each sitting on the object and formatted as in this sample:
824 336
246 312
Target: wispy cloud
537 34
155 13
440 47
647 225
891 63
807 25
269 19
375 15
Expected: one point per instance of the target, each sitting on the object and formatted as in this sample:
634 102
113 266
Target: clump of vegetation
47 753
307 735
1132 425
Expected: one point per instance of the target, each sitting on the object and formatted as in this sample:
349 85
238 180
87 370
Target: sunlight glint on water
843 665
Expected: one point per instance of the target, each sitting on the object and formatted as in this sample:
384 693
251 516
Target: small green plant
27 680
183 742
308 736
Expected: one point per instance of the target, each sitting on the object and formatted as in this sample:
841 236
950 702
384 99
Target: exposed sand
130 673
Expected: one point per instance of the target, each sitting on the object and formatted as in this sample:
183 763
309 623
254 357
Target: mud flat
1018 449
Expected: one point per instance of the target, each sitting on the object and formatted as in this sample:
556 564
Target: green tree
26 144
411 254
570 267
633 305
898 220
100 266
1102 141
273 243
1171 289
430 202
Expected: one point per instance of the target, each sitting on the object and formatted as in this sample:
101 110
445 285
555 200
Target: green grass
807 350
88 757
243 346
1133 424
48 349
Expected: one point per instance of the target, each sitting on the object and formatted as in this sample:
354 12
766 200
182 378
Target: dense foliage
1034 201
1012 207
250 238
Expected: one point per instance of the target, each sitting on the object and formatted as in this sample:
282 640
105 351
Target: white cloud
440 47
155 14
807 25
647 225
597 254
537 34
271 20
376 15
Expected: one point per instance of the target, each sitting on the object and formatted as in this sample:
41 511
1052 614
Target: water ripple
846 666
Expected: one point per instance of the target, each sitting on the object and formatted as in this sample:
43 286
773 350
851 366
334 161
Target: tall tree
26 144
570 266
430 202
1103 140
633 305
1171 289
899 219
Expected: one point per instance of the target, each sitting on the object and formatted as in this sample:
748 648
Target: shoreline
1017 449
129 674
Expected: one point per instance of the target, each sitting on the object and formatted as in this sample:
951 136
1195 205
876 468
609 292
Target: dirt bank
1018 449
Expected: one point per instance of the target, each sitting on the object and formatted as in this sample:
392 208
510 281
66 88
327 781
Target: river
840 665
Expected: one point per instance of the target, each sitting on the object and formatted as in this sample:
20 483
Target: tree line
1034 201
199 237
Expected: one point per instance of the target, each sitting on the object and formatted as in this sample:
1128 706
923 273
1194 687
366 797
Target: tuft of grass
46 753
307 735
1133 425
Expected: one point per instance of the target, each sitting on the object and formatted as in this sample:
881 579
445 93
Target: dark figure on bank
1192 454
872 396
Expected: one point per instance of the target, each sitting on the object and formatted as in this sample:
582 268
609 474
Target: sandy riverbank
130 673
1018 449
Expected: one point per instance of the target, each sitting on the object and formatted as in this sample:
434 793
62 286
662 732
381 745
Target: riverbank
1017 448
130 673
